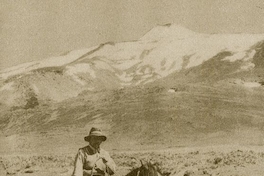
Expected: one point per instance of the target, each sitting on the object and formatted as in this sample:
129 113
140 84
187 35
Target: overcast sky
34 30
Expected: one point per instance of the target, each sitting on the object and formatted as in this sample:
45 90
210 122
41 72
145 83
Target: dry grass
220 160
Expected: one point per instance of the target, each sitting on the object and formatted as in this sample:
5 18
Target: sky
34 30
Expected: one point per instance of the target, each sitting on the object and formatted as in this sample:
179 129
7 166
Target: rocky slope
160 52
172 87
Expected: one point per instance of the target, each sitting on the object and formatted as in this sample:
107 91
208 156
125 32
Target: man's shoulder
86 149
83 148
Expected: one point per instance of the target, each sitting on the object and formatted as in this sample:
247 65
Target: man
92 160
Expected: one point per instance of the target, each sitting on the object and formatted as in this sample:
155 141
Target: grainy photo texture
132 88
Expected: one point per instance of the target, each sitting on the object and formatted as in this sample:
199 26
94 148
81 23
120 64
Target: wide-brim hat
95 132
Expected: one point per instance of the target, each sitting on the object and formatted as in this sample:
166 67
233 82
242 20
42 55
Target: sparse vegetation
217 162
32 101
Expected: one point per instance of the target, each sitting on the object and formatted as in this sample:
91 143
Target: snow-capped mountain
160 52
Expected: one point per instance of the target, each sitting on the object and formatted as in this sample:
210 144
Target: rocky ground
191 161
187 129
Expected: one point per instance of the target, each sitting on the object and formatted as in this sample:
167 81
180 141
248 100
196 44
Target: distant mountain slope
171 87
160 52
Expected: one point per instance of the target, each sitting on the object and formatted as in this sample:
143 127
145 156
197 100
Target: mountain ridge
159 53
193 87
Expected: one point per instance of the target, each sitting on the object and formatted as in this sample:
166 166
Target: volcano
171 87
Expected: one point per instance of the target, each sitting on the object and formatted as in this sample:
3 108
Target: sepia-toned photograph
132 88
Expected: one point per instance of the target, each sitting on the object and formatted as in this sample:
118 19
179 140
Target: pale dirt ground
220 160
213 160
238 153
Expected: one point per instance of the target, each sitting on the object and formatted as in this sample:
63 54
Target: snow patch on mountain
62 60
252 84
206 48
80 68
103 65
247 66
169 30
126 64
4 74
250 55
235 57
120 51
74 70
125 78
247 84
243 55
50 62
